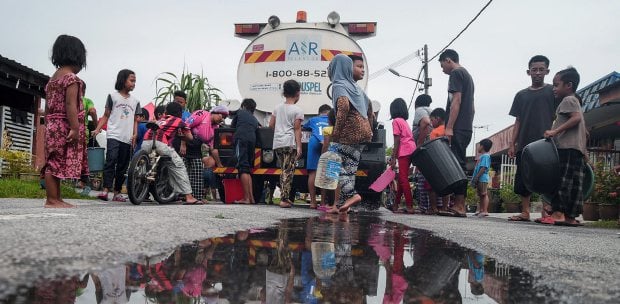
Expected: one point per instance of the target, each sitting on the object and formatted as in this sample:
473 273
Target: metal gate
508 170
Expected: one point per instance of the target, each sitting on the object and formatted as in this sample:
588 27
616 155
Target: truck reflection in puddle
316 260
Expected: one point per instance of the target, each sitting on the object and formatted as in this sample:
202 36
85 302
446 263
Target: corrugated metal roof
19 66
589 93
16 75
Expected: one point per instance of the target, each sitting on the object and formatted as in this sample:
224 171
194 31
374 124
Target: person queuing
460 113
316 125
569 133
65 130
533 109
352 126
404 146
120 116
246 126
286 121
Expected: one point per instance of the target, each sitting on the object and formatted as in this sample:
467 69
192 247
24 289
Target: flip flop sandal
285 204
197 202
454 213
118 198
518 218
547 221
103 197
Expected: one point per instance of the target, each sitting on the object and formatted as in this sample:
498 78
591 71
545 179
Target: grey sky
154 36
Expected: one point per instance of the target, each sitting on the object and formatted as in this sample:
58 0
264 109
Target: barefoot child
316 124
569 134
480 179
286 120
65 131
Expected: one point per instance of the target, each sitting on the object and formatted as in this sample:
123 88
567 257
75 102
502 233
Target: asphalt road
581 264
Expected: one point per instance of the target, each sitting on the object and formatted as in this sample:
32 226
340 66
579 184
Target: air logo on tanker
303 48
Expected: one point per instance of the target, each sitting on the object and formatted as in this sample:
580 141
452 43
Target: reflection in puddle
317 260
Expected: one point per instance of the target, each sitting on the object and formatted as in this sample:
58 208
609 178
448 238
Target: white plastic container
323 259
328 170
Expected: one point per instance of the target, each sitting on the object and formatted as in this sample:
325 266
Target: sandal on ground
519 218
285 204
103 196
482 214
119 198
547 221
323 208
455 213
242 202
196 202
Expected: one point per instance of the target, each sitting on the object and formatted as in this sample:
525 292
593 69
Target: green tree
200 93
388 151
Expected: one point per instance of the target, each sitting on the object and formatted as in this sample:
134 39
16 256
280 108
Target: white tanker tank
301 51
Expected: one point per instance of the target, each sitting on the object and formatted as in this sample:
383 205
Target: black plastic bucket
439 166
540 166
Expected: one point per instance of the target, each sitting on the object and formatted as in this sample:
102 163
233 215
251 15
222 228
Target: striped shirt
168 126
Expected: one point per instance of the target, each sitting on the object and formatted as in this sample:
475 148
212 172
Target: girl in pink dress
65 143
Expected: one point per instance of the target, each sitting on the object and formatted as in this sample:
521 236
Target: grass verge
17 188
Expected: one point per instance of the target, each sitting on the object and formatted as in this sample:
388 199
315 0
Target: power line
394 65
462 31
416 87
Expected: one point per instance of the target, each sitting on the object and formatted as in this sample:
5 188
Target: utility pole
427 81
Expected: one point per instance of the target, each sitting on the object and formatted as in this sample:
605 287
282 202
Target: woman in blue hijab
352 127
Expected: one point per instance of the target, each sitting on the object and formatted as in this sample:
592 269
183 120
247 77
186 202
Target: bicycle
149 172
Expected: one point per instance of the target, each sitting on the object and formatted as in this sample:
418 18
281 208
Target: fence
508 170
18 128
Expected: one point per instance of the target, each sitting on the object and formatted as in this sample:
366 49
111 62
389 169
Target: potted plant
511 201
606 187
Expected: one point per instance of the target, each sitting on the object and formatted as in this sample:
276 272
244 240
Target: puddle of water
316 260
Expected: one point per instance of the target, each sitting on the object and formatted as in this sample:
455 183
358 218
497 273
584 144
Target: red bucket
233 191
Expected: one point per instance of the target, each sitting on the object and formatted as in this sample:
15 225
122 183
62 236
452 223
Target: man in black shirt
534 111
460 112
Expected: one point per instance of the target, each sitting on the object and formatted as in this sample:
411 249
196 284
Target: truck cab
302 51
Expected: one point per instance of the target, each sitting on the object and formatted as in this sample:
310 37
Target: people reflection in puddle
318 260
